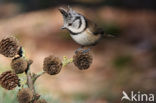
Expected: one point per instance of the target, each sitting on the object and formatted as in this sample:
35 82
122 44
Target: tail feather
108 35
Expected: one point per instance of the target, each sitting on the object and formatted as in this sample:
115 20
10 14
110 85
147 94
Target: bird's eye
69 24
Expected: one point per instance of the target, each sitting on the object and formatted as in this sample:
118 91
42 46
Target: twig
66 61
36 76
31 78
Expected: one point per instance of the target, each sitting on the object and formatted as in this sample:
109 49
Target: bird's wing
94 28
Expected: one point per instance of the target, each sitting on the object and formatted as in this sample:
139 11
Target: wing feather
94 28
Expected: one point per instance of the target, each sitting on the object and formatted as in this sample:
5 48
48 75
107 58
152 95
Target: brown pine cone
82 60
9 80
52 65
19 65
9 47
25 95
41 101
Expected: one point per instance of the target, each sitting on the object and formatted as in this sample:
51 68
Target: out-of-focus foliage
130 4
8 96
122 61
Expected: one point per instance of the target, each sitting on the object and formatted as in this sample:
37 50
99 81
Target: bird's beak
63 12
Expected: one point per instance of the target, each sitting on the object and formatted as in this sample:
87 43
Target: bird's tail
108 35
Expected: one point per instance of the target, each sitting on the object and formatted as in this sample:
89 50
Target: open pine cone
52 65
9 80
19 65
25 95
82 59
9 47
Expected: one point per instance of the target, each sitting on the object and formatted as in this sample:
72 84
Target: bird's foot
86 50
77 50
83 50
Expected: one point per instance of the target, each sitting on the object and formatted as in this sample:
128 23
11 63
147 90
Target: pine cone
9 80
19 65
82 60
52 65
25 95
9 47
41 101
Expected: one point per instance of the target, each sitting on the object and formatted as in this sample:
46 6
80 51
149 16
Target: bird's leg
86 50
79 49
82 48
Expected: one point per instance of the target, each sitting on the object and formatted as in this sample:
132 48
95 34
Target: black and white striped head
73 21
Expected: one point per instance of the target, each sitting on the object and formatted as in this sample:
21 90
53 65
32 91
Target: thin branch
30 83
29 79
36 76
66 61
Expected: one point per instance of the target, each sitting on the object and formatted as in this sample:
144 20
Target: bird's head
73 21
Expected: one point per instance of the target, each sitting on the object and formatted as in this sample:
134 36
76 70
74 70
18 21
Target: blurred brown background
123 63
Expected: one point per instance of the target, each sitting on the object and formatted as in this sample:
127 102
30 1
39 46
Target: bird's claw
77 50
84 51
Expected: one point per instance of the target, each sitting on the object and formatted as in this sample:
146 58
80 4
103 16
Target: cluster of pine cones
10 47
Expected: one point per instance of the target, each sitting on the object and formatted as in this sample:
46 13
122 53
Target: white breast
85 38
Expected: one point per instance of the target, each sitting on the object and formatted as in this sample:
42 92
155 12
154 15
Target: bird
82 30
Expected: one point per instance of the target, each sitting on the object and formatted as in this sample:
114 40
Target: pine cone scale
9 80
82 60
19 65
25 95
9 47
52 65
